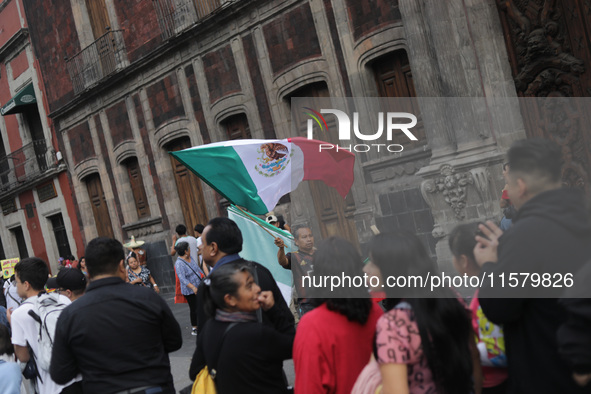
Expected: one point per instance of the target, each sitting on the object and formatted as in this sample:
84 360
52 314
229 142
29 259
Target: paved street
181 359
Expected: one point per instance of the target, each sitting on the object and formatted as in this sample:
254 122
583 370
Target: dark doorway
17 232
61 236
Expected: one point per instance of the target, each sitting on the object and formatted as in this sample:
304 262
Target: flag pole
257 223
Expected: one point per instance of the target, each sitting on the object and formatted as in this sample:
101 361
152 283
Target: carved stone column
469 108
426 75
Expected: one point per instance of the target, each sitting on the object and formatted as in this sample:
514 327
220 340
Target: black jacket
118 336
250 356
550 234
574 336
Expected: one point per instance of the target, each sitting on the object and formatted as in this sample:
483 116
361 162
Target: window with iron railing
104 57
26 164
175 16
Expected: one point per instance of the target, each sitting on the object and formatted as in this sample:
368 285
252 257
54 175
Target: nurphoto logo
389 121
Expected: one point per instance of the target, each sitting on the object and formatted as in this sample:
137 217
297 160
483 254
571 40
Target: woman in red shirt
334 341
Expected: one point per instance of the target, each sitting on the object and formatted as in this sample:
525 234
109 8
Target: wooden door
189 188
99 17
137 188
549 50
206 7
237 127
100 210
335 214
393 75
105 44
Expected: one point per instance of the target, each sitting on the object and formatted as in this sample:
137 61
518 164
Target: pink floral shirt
398 341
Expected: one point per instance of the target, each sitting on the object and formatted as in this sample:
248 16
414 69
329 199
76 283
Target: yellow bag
203 383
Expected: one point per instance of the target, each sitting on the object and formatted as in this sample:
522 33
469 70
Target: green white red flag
255 174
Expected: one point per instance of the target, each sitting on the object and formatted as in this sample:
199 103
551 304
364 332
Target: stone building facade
129 81
38 213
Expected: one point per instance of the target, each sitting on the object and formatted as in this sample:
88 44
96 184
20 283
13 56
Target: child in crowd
490 340
423 345
10 371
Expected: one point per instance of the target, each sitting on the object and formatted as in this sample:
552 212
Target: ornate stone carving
547 50
396 168
452 186
438 232
545 61
563 121
481 177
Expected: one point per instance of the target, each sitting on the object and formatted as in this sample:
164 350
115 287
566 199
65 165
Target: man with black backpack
33 325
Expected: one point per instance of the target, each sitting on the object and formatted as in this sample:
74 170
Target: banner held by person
8 267
258 245
255 174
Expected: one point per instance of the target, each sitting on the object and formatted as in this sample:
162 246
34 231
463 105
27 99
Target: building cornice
18 39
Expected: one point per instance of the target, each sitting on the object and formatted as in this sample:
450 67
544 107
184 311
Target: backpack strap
214 364
10 285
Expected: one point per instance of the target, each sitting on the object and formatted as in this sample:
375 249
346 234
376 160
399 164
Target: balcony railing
26 165
103 57
174 16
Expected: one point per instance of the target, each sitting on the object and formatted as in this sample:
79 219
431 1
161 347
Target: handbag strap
136 275
214 364
259 311
191 268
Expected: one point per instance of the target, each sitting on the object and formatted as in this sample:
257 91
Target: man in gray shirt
181 236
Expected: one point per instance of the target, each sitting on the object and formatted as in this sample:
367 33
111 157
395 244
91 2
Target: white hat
271 219
133 243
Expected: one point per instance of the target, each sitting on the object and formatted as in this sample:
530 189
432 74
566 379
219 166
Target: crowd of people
114 331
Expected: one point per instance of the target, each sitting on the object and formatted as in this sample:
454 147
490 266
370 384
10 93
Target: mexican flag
255 174
258 245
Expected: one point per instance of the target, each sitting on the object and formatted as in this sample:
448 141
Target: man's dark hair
181 229
226 234
199 228
32 270
298 228
181 248
103 256
538 157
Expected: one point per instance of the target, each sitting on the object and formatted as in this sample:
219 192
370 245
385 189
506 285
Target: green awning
23 98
